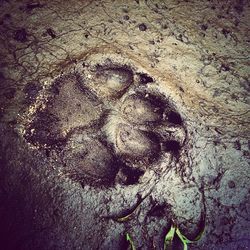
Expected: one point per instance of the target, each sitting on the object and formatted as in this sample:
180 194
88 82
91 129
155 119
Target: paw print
107 123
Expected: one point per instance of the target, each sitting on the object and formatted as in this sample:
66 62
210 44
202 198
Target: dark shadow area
144 78
175 118
172 146
132 175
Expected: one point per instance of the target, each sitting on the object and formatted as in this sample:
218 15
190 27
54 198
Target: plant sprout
168 241
128 238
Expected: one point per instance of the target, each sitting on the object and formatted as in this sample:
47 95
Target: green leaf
183 239
168 242
128 238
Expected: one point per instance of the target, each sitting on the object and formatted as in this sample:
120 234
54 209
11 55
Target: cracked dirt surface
192 57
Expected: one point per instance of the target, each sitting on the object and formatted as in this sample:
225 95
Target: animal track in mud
107 124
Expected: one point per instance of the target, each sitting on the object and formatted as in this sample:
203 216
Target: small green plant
168 240
174 230
128 238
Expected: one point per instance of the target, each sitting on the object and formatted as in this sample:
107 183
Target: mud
124 118
103 120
